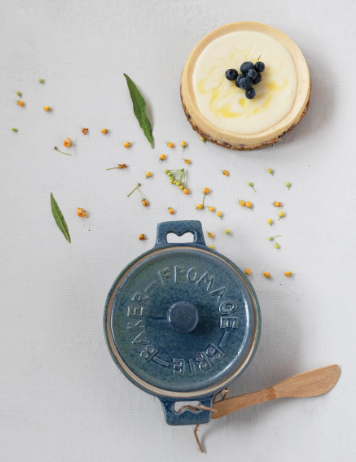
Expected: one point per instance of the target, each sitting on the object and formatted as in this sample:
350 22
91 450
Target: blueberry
231 74
237 81
252 73
257 79
245 83
246 66
250 94
260 66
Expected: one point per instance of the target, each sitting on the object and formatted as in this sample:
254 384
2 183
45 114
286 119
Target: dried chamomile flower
270 171
251 186
247 271
281 215
170 210
288 274
81 212
288 185
85 130
277 204
170 144
141 237
266 274
225 172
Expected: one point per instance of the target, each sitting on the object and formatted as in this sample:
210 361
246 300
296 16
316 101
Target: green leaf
59 218
139 107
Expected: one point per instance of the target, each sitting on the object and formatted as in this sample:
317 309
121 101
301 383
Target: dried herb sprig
144 201
59 218
139 107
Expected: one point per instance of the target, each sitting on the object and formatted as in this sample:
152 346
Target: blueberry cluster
250 75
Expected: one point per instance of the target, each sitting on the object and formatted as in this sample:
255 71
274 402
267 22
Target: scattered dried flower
270 221
281 215
170 144
288 274
273 237
183 144
66 153
227 231
187 161
199 207
162 157
144 201
14 129
247 271
242 203
288 185
276 245
67 143
225 172
211 247
211 235
251 186
141 237
211 209
186 190
248 205
41 81
219 214
270 171
120 166
170 210
20 103
277 204
206 191
18 93
128 144
202 139
81 213
47 108
85 130
104 131
148 175
266 274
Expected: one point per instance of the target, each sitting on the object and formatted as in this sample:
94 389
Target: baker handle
179 228
187 415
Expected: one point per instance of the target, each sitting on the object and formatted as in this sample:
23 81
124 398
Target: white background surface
61 396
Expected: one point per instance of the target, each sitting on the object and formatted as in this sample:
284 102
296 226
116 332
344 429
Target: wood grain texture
304 385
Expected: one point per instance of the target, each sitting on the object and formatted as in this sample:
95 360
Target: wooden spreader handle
311 383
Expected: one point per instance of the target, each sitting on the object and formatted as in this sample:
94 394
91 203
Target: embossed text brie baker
181 322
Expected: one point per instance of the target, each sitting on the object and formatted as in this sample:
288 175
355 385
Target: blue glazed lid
182 321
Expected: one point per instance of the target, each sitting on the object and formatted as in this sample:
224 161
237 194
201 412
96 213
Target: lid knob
183 317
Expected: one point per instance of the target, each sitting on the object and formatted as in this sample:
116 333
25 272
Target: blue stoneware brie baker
181 322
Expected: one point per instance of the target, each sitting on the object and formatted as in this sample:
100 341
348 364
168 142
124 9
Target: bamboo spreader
312 383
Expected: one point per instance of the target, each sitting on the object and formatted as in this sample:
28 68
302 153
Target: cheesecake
223 112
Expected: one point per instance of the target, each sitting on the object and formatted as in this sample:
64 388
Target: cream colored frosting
225 105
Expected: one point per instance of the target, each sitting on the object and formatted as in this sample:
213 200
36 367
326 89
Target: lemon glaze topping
226 105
